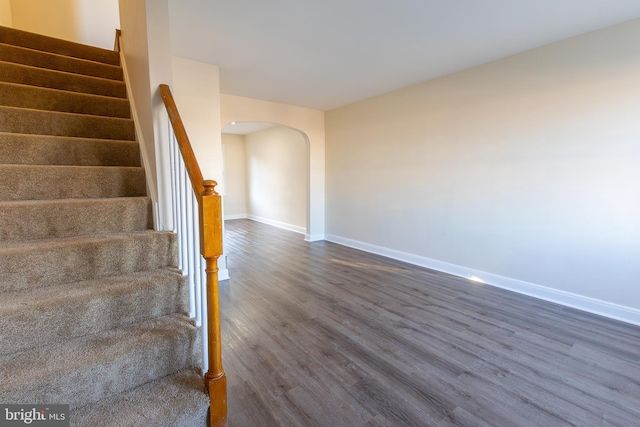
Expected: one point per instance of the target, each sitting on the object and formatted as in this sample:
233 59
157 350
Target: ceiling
245 128
323 54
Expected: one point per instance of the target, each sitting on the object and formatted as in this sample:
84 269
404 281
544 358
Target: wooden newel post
211 248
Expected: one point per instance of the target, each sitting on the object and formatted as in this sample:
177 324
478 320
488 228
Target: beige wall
196 89
277 176
91 22
235 176
311 123
6 19
147 62
526 168
266 176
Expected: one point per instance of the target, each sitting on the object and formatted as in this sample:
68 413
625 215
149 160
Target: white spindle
174 161
186 226
203 309
196 259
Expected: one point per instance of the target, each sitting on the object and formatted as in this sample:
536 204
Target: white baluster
186 226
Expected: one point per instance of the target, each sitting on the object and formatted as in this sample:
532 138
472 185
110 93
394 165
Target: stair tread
42 122
33 149
78 240
27 299
54 61
78 370
70 167
60 312
44 182
63 202
50 99
65 113
178 400
55 137
44 43
12 72
42 219
47 262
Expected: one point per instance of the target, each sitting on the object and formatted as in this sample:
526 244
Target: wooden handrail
190 161
116 43
210 226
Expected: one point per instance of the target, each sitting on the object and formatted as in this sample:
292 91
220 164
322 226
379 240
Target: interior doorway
266 174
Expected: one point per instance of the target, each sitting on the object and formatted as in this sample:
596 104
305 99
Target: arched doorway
307 121
266 174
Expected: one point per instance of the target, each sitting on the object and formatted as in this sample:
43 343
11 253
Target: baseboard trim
580 302
313 237
235 216
223 274
283 225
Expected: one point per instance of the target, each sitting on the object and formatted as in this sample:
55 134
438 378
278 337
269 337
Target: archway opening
266 174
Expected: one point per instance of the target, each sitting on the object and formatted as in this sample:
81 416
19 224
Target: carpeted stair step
57 313
21 38
92 304
16 148
45 219
52 61
49 262
178 400
24 120
38 98
91 368
44 182
35 76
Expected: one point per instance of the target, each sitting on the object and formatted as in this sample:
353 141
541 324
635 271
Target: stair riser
34 76
35 58
102 365
23 182
58 150
54 262
15 95
58 46
64 312
18 120
31 220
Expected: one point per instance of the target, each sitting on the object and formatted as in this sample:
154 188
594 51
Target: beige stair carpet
93 309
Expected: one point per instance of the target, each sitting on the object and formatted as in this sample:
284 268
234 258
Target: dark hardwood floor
316 334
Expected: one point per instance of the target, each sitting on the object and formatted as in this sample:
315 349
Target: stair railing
195 201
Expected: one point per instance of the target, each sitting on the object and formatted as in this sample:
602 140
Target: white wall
91 22
235 171
311 123
526 168
277 177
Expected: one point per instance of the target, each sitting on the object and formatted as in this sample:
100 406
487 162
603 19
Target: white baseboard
223 274
592 305
294 228
235 216
278 224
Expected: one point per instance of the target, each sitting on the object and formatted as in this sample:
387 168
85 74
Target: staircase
92 306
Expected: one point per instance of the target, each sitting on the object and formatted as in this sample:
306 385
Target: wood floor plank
317 334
